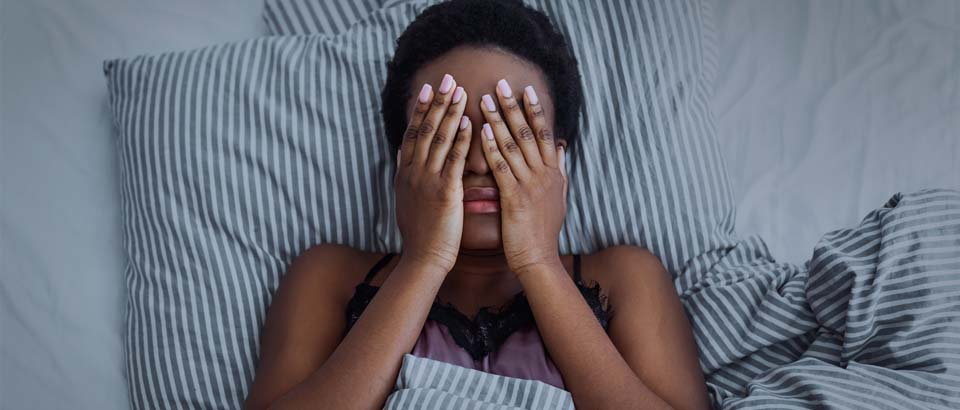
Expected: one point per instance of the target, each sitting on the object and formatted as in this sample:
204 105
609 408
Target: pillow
656 180
235 158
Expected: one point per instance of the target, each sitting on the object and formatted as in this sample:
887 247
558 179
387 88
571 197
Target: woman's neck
479 278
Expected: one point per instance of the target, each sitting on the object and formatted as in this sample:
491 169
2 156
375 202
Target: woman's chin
481 231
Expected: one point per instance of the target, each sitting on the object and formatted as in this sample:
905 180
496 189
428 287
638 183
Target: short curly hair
503 24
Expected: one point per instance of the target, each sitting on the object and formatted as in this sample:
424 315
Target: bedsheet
826 108
62 297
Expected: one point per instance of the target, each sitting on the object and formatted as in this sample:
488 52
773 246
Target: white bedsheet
824 109
62 289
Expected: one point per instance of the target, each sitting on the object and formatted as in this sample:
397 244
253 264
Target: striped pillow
235 158
656 177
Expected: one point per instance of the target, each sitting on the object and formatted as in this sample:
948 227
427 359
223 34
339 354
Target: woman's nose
476 163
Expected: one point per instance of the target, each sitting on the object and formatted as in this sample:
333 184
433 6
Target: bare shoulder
305 321
624 270
334 267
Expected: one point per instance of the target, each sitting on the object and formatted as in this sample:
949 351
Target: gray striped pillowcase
656 177
235 158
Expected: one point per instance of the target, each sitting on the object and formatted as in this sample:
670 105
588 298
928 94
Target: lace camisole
504 342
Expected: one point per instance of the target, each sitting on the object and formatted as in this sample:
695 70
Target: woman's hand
530 172
429 178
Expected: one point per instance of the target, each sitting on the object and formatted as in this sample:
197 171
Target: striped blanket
871 322
429 384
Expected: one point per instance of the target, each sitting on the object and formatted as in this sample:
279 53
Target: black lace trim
489 328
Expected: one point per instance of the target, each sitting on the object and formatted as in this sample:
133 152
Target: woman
480 196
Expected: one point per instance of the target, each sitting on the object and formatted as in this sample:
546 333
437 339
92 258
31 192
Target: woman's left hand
530 170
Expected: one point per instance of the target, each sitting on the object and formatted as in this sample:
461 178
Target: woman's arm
301 364
361 371
651 329
649 361
530 168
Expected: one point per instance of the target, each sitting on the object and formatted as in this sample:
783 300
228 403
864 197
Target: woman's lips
481 200
481 207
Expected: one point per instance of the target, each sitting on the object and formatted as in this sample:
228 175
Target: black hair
503 24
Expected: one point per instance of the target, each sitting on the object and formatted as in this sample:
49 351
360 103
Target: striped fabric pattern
872 321
426 384
656 177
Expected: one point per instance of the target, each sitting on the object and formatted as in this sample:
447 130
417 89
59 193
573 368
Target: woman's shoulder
619 269
339 267
610 263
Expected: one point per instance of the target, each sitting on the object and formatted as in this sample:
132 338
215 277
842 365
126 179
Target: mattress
824 110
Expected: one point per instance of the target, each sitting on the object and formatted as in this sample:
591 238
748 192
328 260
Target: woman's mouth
481 200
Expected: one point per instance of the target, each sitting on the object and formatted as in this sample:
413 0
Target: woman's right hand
429 178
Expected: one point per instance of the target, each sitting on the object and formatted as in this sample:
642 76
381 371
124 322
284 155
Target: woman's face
477 70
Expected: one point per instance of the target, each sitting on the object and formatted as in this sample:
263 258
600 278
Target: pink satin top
504 342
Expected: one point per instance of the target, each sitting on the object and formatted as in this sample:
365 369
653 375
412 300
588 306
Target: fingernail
446 83
488 103
424 93
464 121
457 94
531 94
504 88
487 131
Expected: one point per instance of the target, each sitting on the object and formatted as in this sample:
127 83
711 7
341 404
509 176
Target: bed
870 102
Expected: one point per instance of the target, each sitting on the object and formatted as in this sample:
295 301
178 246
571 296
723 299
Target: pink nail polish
446 83
487 132
424 93
464 121
504 88
531 94
488 103
457 94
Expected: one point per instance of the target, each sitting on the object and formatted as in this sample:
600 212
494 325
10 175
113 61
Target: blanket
429 384
872 321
